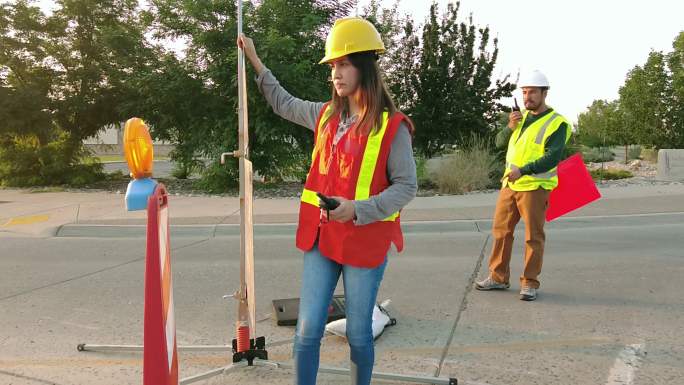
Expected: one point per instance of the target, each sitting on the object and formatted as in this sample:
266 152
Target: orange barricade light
139 155
138 148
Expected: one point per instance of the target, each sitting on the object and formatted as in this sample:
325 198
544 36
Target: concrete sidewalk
23 213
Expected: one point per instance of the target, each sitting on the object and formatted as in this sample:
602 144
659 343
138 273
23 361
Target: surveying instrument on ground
247 349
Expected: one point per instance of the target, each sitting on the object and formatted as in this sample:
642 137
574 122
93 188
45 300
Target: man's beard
533 106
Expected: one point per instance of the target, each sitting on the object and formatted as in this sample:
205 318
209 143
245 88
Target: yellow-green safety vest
528 147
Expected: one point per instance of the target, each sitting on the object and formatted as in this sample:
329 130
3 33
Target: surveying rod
246 322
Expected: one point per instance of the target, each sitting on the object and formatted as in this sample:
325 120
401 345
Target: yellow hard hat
350 35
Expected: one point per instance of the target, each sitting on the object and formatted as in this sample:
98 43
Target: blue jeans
360 291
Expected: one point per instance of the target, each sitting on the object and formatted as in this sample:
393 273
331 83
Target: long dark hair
375 98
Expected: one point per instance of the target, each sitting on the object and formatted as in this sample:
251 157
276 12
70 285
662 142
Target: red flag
575 188
160 358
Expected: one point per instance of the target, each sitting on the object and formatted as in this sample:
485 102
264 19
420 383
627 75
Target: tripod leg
213 373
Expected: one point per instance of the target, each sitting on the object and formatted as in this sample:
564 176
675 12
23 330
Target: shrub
634 152
610 174
218 178
597 154
24 162
649 154
186 169
422 173
467 169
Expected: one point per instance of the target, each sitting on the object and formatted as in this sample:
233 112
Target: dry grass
467 169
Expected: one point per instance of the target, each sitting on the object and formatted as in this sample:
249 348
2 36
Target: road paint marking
27 220
626 365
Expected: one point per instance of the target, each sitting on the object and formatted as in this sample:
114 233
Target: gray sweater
401 167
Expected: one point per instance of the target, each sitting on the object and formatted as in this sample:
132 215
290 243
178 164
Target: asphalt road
609 310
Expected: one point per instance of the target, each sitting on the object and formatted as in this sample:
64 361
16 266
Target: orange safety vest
355 169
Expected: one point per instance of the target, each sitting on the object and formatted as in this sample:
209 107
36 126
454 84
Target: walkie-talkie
515 105
327 203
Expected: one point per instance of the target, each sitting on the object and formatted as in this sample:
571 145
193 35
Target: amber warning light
139 154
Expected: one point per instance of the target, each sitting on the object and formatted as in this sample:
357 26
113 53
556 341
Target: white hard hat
533 79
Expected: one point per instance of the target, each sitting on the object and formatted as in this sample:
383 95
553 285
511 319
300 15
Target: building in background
109 141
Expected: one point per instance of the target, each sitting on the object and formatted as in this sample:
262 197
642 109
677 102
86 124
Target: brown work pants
510 207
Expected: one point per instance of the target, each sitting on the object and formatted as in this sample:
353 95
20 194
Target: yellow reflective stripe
368 163
310 197
370 160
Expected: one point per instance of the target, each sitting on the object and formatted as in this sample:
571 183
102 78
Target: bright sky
585 47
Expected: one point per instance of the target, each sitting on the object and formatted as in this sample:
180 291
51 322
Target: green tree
455 95
400 62
65 76
675 61
602 125
650 110
290 37
644 101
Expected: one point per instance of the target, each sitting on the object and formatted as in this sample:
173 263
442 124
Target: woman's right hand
247 46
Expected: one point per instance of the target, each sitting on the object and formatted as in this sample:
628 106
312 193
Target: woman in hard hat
362 158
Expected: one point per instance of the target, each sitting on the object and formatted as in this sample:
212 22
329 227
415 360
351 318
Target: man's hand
513 119
344 212
515 174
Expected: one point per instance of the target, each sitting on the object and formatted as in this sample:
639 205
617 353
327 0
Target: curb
409 228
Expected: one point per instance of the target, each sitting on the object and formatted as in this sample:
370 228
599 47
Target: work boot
490 284
528 293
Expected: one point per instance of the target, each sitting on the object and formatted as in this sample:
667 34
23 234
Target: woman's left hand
344 212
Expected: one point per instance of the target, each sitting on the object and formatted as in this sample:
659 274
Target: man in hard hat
536 145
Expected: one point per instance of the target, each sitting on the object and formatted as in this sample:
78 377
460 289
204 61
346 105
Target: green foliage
610 174
455 96
422 174
25 162
633 152
597 154
650 109
644 98
649 154
218 178
117 175
675 65
603 124
467 169
196 96
65 76
61 80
